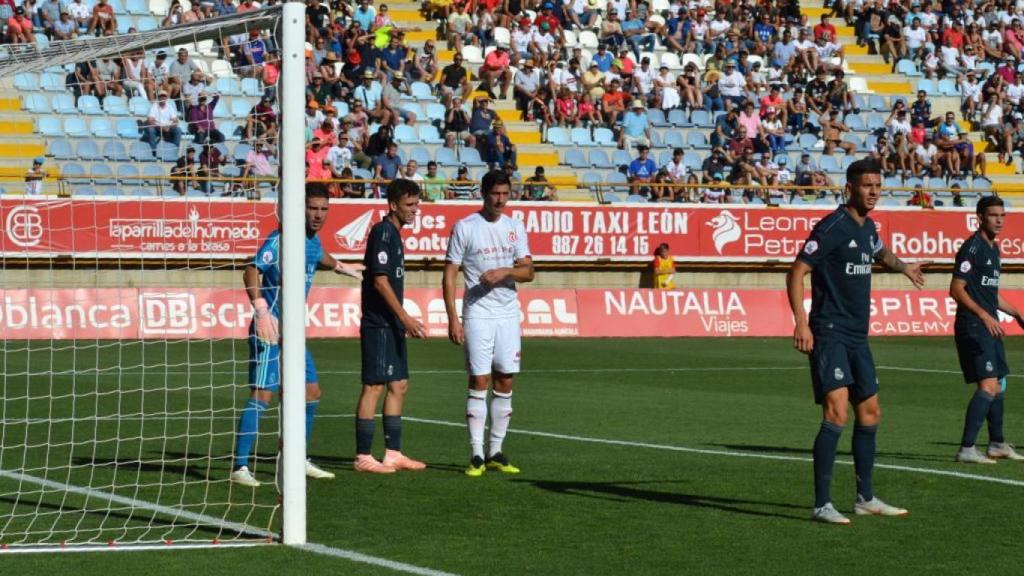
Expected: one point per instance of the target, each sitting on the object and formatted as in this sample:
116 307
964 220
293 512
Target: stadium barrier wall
227 229
133 313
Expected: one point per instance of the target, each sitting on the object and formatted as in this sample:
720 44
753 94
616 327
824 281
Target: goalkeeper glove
266 323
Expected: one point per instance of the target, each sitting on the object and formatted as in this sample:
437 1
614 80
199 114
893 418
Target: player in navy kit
382 334
838 255
978 334
262 279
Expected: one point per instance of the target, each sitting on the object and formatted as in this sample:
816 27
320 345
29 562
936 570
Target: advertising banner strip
131 313
558 232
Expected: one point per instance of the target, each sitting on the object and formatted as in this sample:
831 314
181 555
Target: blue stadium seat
611 197
574 157
828 163
251 87
76 127
414 108
420 154
664 157
621 158
947 87
406 134
240 108
137 7
421 91
429 135
228 86
128 128
656 139
677 117
807 141
64 104
26 81
50 126
656 118
927 85
117 6
701 119
581 137
102 128
153 173
83 190
599 159
604 137
140 152
618 178
875 121
232 130
892 182
877 103
591 178
166 152
636 199
61 149
140 192
115 151
222 110
435 112
139 106
36 103
853 139
982 184
855 122
693 161
103 174
51 82
146 24
697 140
470 157
907 68
446 157
73 171
115 105
674 139
559 136
89 151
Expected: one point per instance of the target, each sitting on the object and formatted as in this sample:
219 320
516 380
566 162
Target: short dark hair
861 167
986 202
317 190
494 178
402 188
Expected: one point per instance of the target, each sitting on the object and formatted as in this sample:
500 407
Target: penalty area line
730 453
176 513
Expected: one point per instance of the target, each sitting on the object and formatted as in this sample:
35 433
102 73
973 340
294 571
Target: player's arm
327 262
521 271
892 262
803 339
266 324
455 333
1008 307
413 326
958 291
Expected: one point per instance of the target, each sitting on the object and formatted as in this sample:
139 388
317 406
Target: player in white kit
492 250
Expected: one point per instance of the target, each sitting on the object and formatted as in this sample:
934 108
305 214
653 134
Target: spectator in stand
567 111
103 21
107 79
613 104
457 126
161 123
459 29
495 70
454 81
635 127
184 172
369 93
927 157
731 86
64 28
528 90
410 173
433 184
254 54
318 165
364 15
210 161
80 13
181 71
47 14
19 27
537 187
921 198
832 133
636 33
497 149
641 171
34 177
257 165
424 66
462 188
386 166
200 120
774 131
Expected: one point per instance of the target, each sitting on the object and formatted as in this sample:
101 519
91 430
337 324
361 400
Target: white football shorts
492 345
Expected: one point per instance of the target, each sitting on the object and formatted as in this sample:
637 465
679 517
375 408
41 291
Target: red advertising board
151 313
558 232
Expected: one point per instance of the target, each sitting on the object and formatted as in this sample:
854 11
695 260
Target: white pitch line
735 454
207 520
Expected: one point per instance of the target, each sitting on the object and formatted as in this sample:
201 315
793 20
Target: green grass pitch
609 483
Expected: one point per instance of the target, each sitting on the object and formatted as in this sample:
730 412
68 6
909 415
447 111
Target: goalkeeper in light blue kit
262 279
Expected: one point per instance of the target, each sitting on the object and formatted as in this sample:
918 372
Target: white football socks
501 415
476 420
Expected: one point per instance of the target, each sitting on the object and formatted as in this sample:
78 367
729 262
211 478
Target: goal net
123 320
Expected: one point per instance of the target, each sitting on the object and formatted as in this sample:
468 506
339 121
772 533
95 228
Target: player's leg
393 402
374 373
977 362
998 447
312 403
830 375
479 360
507 351
264 380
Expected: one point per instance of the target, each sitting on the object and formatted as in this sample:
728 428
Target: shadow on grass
786 450
627 490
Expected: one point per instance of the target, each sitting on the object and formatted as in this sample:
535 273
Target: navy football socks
977 410
995 419
825 445
393 432
364 435
864 458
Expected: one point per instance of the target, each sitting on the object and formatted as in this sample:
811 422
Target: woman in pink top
19 27
750 120
1013 39
566 109
588 112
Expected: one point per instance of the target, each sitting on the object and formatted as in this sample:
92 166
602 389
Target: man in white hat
636 130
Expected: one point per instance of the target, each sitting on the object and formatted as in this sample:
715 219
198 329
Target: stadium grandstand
575 89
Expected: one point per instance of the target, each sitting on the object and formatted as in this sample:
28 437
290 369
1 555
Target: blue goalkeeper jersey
268 262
